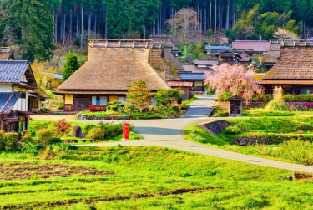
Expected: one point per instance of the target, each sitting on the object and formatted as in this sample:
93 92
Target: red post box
126 131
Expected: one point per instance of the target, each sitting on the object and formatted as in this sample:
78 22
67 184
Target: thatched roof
112 69
295 63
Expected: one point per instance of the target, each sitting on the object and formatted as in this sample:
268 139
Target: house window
95 100
103 100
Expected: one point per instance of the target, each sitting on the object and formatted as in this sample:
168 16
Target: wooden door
113 98
82 103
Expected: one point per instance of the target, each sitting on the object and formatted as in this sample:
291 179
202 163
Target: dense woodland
47 22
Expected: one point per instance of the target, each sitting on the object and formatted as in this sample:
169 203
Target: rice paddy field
144 178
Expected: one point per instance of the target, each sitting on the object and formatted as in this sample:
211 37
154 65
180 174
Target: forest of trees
68 21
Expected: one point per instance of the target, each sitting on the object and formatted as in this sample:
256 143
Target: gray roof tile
12 70
192 76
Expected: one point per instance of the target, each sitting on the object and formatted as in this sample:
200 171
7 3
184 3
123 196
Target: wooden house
228 57
16 80
111 66
184 86
197 80
251 47
294 70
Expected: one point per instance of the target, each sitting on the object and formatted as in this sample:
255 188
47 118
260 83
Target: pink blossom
235 79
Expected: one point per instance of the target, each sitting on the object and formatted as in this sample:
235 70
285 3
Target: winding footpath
169 133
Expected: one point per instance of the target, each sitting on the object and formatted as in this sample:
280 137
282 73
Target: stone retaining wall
268 139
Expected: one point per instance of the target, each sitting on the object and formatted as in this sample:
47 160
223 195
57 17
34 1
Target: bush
11 141
62 127
232 130
176 108
221 113
27 138
44 137
2 145
55 140
289 98
96 134
60 106
87 128
224 96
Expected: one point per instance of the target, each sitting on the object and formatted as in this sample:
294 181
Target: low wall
214 127
268 139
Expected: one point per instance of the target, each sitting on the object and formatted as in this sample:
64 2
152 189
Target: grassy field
298 129
144 178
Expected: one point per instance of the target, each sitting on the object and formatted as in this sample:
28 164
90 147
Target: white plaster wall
5 88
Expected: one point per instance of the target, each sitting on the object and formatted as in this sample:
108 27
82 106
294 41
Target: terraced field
144 178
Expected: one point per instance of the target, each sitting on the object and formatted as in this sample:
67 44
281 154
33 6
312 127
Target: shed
235 105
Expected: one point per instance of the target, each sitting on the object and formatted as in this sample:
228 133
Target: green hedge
2 144
10 140
298 98
44 137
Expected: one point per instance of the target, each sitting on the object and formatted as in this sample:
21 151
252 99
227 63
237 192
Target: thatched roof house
294 69
111 66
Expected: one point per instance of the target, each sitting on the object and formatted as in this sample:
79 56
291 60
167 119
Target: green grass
190 101
147 178
197 134
294 151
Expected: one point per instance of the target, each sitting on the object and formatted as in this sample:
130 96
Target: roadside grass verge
151 178
190 101
197 134
299 149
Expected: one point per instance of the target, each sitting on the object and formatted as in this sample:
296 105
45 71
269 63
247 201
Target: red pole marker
126 131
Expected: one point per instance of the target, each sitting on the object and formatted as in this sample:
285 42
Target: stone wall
268 139
217 126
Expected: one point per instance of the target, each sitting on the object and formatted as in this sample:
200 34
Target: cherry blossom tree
235 79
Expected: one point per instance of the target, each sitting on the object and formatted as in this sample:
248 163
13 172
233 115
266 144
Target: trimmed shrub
176 108
2 145
27 138
232 130
45 137
289 98
10 140
221 113
96 134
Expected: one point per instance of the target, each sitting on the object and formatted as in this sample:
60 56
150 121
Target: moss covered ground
146 178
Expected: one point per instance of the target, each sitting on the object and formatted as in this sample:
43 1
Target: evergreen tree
33 24
71 65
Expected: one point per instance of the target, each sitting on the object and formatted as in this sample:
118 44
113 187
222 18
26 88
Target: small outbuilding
235 105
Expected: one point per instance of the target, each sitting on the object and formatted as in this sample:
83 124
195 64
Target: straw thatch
295 63
112 69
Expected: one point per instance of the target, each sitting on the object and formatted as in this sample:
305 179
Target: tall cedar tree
34 28
138 95
71 65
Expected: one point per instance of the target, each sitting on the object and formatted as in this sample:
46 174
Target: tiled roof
5 107
192 76
12 70
259 46
205 62
213 47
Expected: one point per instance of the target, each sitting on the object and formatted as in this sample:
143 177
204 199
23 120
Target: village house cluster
114 64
